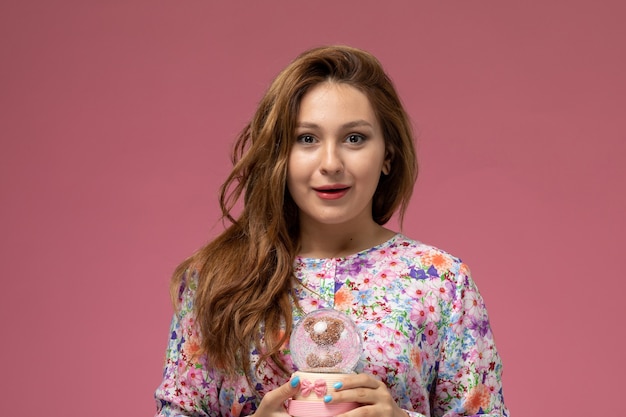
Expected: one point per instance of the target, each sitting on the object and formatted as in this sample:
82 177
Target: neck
332 241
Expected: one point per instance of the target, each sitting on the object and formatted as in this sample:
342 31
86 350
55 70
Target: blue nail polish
327 398
295 381
337 385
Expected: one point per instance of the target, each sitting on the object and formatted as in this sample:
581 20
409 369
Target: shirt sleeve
469 375
189 387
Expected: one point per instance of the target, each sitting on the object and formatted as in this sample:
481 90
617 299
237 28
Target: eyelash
361 138
301 138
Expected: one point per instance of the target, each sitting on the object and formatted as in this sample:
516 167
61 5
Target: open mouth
331 190
332 193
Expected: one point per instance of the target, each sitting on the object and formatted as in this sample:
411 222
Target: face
337 157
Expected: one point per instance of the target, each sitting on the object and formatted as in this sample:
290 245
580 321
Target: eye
355 138
306 139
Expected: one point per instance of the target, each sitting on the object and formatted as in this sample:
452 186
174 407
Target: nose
331 160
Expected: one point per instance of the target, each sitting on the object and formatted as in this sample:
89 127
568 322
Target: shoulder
431 259
187 287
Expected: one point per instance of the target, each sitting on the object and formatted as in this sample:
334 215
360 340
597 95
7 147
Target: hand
372 394
273 403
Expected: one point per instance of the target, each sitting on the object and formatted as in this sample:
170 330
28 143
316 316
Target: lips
332 192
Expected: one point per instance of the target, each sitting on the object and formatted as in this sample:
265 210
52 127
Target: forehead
331 101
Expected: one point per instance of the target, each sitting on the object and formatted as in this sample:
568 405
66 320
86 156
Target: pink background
116 120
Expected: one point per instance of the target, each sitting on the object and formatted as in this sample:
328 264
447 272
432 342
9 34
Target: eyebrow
349 125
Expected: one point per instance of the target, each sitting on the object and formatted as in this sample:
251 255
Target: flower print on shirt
431 333
418 313
477 399
344 298
424 326
433 311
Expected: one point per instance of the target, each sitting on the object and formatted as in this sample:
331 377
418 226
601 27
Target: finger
359 395
357 380
363 389
276 398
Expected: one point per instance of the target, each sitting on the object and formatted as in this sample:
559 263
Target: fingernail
337 385
327 398
295 381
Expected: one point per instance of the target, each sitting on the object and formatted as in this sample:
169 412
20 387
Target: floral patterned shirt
424 327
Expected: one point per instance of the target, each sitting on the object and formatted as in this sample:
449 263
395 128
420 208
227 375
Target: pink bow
319 387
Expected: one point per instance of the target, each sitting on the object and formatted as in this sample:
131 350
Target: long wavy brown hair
246 280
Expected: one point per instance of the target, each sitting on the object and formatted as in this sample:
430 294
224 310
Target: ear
386 167
308 324
387 162
340 326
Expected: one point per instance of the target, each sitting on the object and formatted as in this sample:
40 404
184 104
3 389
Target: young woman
326 161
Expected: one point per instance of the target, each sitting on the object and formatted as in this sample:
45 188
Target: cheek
295 173
298 167
370 171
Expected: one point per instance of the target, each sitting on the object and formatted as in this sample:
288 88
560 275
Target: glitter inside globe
326 340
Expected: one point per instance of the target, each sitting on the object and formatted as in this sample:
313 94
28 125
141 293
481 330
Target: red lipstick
331 192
